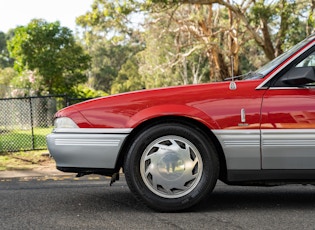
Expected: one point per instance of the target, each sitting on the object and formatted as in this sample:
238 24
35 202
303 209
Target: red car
174 143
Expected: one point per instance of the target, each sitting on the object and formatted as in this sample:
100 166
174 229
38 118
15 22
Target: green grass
23 140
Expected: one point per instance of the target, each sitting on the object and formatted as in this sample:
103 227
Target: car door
288 117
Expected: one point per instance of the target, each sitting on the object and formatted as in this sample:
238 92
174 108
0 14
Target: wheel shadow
224 198
259 198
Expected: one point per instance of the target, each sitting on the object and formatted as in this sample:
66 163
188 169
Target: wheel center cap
170 166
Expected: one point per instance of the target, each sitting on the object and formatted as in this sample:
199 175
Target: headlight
64 122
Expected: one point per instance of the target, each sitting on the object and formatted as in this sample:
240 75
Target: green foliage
174 55
111 40
107 61
82 91
5 60
128 78
311 19
286 22
155 60
183 43
261 10
293 23
112 17
49 51
28 83
6 75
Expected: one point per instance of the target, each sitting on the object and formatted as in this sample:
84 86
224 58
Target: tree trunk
234 45
220 69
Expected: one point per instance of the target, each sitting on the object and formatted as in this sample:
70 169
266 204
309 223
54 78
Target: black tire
171 167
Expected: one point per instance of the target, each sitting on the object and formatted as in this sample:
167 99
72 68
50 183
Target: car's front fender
171 110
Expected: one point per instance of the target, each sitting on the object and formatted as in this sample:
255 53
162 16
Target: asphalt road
90 203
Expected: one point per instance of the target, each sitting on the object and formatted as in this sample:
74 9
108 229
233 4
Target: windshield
264 70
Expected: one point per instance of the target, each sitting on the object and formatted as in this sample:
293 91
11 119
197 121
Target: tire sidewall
205 185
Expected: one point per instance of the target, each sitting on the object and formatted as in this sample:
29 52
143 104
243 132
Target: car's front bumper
86 148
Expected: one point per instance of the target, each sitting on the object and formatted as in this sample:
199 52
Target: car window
264 70
309 61
301 74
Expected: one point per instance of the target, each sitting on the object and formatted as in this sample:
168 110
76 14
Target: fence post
32 125
67 100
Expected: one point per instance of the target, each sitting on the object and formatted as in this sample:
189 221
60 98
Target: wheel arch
174 119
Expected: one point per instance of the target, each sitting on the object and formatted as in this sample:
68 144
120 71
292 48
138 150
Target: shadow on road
255 198
223 198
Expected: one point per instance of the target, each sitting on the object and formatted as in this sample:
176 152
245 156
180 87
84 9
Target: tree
171 56
6 76
50 52
265 21
107 60
198 42
83 91
181 34
112 18
111 39
5 60
129 78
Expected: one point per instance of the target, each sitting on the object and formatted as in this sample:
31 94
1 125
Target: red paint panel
289 109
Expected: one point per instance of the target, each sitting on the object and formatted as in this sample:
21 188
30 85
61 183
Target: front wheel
171 167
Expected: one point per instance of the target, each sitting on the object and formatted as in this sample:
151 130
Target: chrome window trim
294 87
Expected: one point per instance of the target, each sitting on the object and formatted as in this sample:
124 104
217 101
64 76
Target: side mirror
299 76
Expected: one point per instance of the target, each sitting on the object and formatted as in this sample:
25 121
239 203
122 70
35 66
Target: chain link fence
25 122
